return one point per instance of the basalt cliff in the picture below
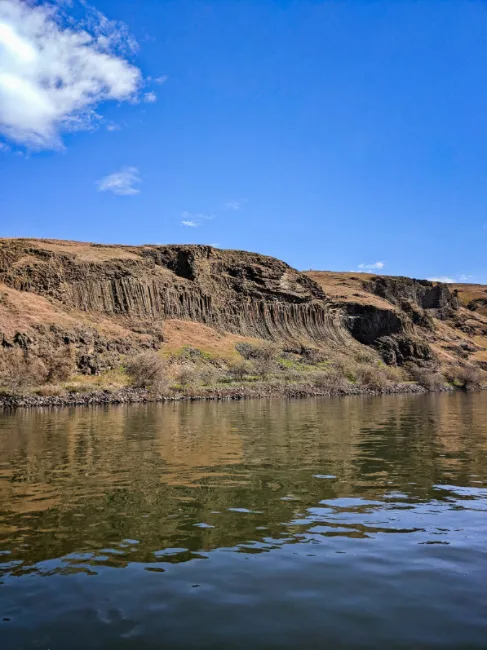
(110, 302)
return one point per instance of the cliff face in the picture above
(142, 287)
(111, 300)
(409, 320)
(397, 332)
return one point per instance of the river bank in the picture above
(260, 391)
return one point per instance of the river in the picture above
(357, 522)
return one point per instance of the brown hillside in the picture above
(109, 302)
(473, 297)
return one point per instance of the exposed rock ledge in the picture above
(261, 391)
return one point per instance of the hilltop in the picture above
(202, 307)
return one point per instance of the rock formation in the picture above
(108, 301)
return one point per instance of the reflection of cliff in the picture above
(91, 478)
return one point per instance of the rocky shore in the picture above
(136, 395)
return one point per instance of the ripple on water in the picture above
(315, 530)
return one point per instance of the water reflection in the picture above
(202, 476)
(149, 487)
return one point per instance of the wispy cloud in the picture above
(150, 98)
(56, 69)
(463, 277)
(4, 148)
(160, 80)
(194, 219)
(113, 126)
(234, 205)
(371, 267)
(442, 278)
(122, 182)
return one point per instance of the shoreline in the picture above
(138, 395)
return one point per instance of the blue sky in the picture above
(333, 135)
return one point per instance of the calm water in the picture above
(347, 523)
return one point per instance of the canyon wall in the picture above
(235, 291)
(110, 301)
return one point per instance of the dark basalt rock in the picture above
(424, 294)
(476, 304)
(367, 323)
(391, 332)
(398, 350)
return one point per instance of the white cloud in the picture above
(194, 219)
(160, 80)
(113, 126)
(4, 148)
(442, 278)
(197, 215)
(55, 70)
(122, 182)
(463, 277)
(375, 265)
(233, 205)
(150, 98)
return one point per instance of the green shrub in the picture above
(245, 349)
(312, 355)
(393, 373)
(238, 370)
(291, 374)
(366, 356)
(264, 367)
(346, 368)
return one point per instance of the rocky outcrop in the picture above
(478, 304)
(401, 349)
(390, 331)
(111, 301)
(408, 293)
(368, 323)
(239, 292)
(398, 333)
(409, 320)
